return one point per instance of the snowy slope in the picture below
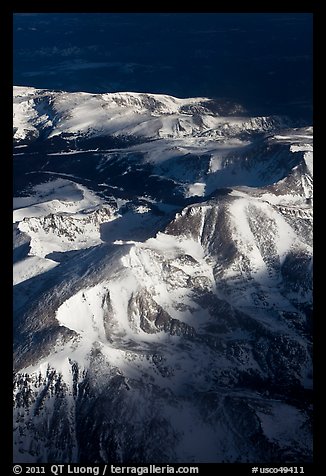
(170, 301)
(164, 317)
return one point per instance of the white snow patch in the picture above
(195, 189)
(301, 148)
(142, 209)
(308, 157)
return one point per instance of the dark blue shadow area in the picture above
(20, 252)
(262, 60)
(133, 226)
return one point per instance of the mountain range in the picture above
(162, 280)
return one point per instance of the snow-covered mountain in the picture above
(39, 111)
(163, 281)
